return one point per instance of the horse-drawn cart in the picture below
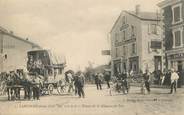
(50, 68)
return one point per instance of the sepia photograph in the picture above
(91, 57)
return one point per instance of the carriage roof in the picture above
(56, 61)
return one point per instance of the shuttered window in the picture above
(156, 44)
(177, 14)
(183, 36)
(177, 36)
(133, 48)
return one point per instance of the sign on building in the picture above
(106, 52)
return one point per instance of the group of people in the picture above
(76, 83)
(99, 78)
(172, 77)
(14, 81)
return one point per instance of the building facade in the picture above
(13, 51)
(173, 24)
(136, 42)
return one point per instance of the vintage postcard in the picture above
(91, 57)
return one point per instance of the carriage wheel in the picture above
(44, 91)
(60, 88)
(50, 89)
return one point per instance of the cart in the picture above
(50, 68)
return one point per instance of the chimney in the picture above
(11, 32)
(137, 9)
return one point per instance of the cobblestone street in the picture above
(98, 102)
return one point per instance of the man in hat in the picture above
(80, 84)
(36, 86)
(174, 79)
(146, 77)
(107, 78)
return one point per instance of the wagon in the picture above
(50, 68)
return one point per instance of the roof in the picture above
(144, 16)
(4, 31)
(165, 3)
(150, 16)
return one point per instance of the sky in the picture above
(77, 29)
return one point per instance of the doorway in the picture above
(180, 66)
(158, 63)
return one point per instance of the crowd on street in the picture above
(170, 78)
(12, 83)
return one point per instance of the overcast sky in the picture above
(77, 29)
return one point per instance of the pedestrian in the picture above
(18, 79)
(146, 77)
(36, 86)
(75, 83)
(80, 84)
(27, 86)
(14, 82)
(9, 84)
(174, 79)
(124, 82)
(98, 81)
(70, 82)
(107, 78)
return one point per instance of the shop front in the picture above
(117, 67)
(134, 64)
(176, 61)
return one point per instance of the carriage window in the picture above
(60, 71)
(50, 71)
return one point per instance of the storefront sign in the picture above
(106, 52)
(176, 56)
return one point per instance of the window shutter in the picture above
(157, 29)
(149, 28)
(125, 35)
(135, 30)
(149, 47)
(183, 36)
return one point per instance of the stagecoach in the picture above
(49, 67)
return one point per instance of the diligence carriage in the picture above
(50, 67)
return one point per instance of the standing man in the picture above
(36, 86)
(107, 78)
(70, 82)
(174, 79)
(9, 86)
(124, 82)
(80, 84)
(27, 86)
(98, 81)
(76, 83)
(146, 77)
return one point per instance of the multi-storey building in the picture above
(173, 26)
(13, 51)
(136, 42)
